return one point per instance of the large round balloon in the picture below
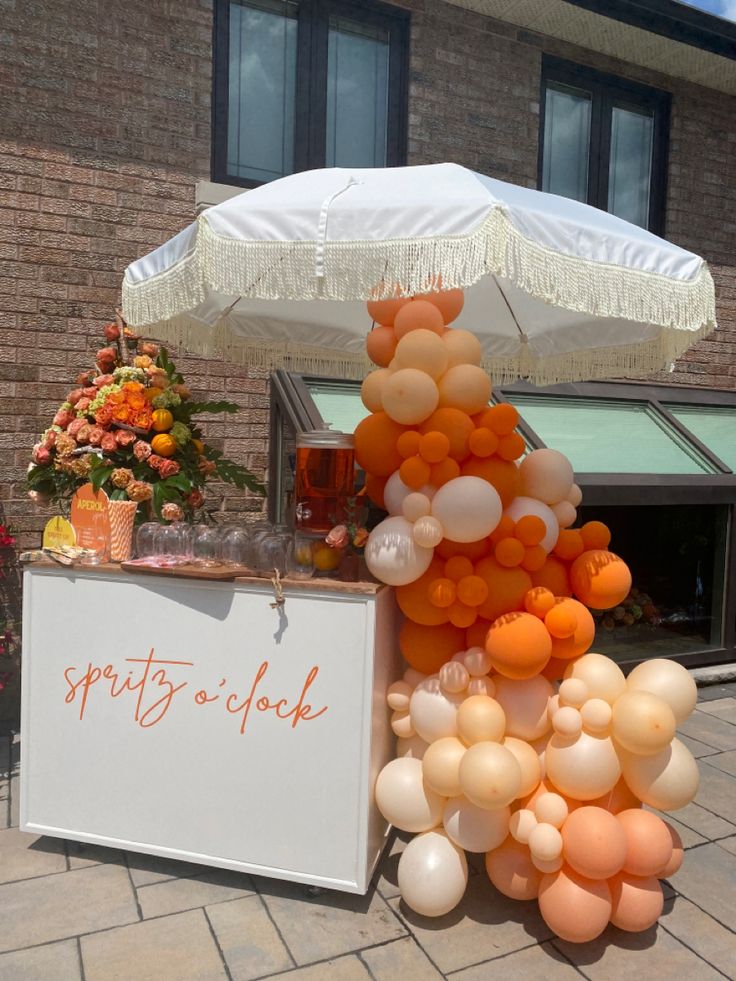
(643, 723)
(422, 349)
(468, 509)
(512, 872)
(432, 874)
(546, 475)
(433, 710)
(490, 776)
(600, 579)
(584, 767)
(667, 780)
(519, 645)
(404, 798)
(575, 908)
(594, 842)
(409, 396)
(604, 678)
(668, 680)
(525, 705)
(523, 506)
(393, 556)
(476, 829)
(441, 766)
(637, 901)
(649, 843)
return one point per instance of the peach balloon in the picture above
(678, 853)
(434, 711)
(490, 777)
(525, 704)
(474, 828)
(526, 757)
(575, 908)
(648, 842)
(567, 721)
(575, 496)
(468, 509)
(480, 719)
(409, 396)
(418, 315)
(398, 696)
(404, 799)
(667, 780)
(546, 475)
(401, 725)
(521, 824)
(393, 556)
(642, 722)
(512, 872)
(565, 513)
(396, 492)
(519, 645)
(466, 387)
(432, 874)
(414, 747)
(551, 809)
(416, 505)
(573, 692)
(636, 902)
(423, 350)
(582, 768)
(454, 677)
(371, 391)
(594, 842)
(596, 715)
(545, 842)
(604, 678)
(428, 532)
(441, 766)
(547, 865)
(619, 798)
(600, 579)
(380, 345)
(523, 506)
(668, 680)
(462, 347)
(384, 311)
(449, 302)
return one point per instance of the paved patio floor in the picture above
(72, 912)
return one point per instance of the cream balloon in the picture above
(582, 768)
(414, 747)
(434, 711)
(575, 496)
(565, 513)
(551, 809)
(525, 705)
(596, 715)
(567, 721)
(468, 508)
(490, 777)
(477, 661)
(522, 506)
(415, 506)
(667, 780)
(404, 799)
(462, 347)
(480, 719)
(401, 725)
(432, 874)
(454, 677)
(409, 396)
(521, 824)
(393, 556)
(531, 769)
(371, 391)
(546, 475)
(428, 532)
(441, 766)
(545, 842)
(547, 865)
(398, 696)
(642, 723)
(424, 350)
(668, 680)
(396, 492)
(573, 691)
(604, 678)
(474, 828)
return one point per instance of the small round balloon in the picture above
(404, 799)
(393, 556)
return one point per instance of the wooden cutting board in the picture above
(221, 573)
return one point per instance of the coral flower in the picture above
(124, 437)
(109, 443)
(142, 450)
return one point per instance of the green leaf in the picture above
(99, 475)
(233, 473)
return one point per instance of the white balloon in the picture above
(468, 508)
(520, 507)
(393, 556)
(396, 491)
(428, 531)
(474, 828)
(404, 799)
(432, 874)
(434, 711)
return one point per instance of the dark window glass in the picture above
(603, 140)
(301, 84)
(677, 559)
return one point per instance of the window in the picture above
(301, 84)
(603, 140)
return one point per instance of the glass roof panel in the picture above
(714, 426)
(338, 403)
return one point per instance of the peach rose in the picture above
(109, 443)
(123, 437)
(142, 450)
(168, 468)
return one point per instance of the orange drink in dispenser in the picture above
(325, 479)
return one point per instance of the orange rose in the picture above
(121, 413)
(115, 398)
(133, 386)
(142, 420)
(136, 402)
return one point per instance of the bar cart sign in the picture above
(192, 720)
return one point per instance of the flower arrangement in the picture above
(129, 427)
(348, 539)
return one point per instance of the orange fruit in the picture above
(164, 445)
(162, 420)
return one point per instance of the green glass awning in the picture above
(338, 403)
(609, 436)
(713, 426)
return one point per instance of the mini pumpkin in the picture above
(162, 420)
(164, 445)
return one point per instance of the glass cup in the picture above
(145, 539)
(272, 549)
(172, 544)
(236, 546)
(206, 546)
(299, 557)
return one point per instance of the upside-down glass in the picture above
(299, 557)
(235, 546)
(206, 546)
(145, 546)
(272, 550)
(171, 543)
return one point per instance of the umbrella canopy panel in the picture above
(555, 289)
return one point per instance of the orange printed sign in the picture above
(90, 518)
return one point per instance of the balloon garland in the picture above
(514, 740)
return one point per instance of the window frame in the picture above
(310, 109)
(608, 91)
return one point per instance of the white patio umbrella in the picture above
(555, 290)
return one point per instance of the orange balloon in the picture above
(600, 579)
(595, 535)
(518, 645)
(553, 575)
(539, 601)
(384, 311)
(443, 471)
(414, 601)
(648, 842)
(426, 649)
(408, 443)
(620, 798)
(511, 447)
(475, 636)
(575, 908)
(579, 641)
(555, 669)
(530, 530)
(434, 446)
(560, 622)
(483, 442)
(414, 472)
(636, 902)
(472, 590)
(375, 444)
(509, 552)
(448, 302)
(677, 854)
(506, 588)
(380, 345)
(594, 842)
(374, 489)
(418, 315)
(534, 558)
(456, 425)
(569, 544)
(442, 593)
(458, 566)
(506, 528)
(462, 615)
(472, 550)
(502, 418)
(512, 872)
(501, 474)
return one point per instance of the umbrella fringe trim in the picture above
(368, 269)
(627, 361)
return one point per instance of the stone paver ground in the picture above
(75, 912)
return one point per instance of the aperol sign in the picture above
(90, 518)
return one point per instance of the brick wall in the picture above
(105, 129)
